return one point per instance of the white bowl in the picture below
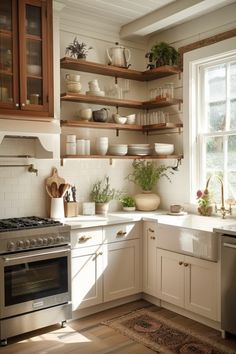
(164, 149)
(85, 113)
(131, 119)
(118, 149)
(95, 93)
(34, 69)
(74, 87)
(120, 120)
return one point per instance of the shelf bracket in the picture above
(110, 161)
(117, 132)
(62, 162)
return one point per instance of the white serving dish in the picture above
(131, 119)
(95, 93)
(34, 69)
(118, 149)
(163, 149)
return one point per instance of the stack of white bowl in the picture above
(102, 145)
(73, 83)
(139, 149)
(164, 149)
(118, 149)
(94, 89)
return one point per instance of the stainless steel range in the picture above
(35, 275)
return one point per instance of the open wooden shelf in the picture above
(107, 101)
(110, 70)
(131, 127)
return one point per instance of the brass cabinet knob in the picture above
(121, 233)
(180, 262)
(84, 238)
(186, 264)
(150, 230)
(152, 237)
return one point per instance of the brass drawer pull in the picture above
(186, 264)
(84, 238)
(150, 230)
(121, 233)
(153, 237)
(180, 263)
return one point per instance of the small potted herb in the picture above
(163, 54)
(128, 203)
(102, 193)
(77, 50)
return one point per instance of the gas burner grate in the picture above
(30, 222)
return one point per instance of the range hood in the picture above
(34, 139)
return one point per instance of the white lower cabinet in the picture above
(150, 258)
(122, 270)
(188, 282)
(87, 270)
(106, 264)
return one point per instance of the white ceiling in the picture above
(137, 18)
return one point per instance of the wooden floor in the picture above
(88, 336)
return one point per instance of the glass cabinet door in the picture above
(9, 96)
(33, 55)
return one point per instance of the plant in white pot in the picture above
(128, 203)
(146, 175)
(102, 193)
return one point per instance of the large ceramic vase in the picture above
(101, 208)
(147, 201)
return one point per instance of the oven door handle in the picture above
(32, 255)
(229, 245)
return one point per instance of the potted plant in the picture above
(128, 203)
(102, 194)
(146, 175)
(77, 50)
(163, 54)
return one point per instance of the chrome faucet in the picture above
(222, 209)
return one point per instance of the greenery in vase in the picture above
(146, 174)
(103, 193)
(77, 50)
(204, 202)
(127, 201)
(163, 54)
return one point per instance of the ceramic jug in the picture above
(118, 56)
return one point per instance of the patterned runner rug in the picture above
(163, 336)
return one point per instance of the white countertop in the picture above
(189, 221)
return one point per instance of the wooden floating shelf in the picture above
(107, 101)
(110, 70)
(133, 127)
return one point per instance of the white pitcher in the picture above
(118, 56)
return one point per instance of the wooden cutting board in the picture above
(54, 178)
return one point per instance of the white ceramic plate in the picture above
(178, 214)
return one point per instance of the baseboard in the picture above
(105, 306)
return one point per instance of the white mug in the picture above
(72, 77)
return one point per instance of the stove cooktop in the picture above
(31, 222)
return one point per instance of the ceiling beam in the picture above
(169, 16)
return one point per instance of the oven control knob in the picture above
(20, 244)
(27, 243)
(45, 241)
(40, 241)
(33, 242)
(50, 240)
(62, 239)
(10, 246)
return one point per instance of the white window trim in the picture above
(192, 60)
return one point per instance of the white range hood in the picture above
(34, 139)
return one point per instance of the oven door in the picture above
(34, 280)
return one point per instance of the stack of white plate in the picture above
(95, 93)
(139, 149)
(118, 149)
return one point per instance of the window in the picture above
(216, 125)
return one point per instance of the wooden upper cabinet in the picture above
(26, 67)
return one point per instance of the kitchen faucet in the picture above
(222, 209)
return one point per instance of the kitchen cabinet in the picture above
(150, 250)
(122, 273)
(105, 264)
(188, 282)
(26, 58)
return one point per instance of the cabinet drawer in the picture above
(86, 237)
(121, 232)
